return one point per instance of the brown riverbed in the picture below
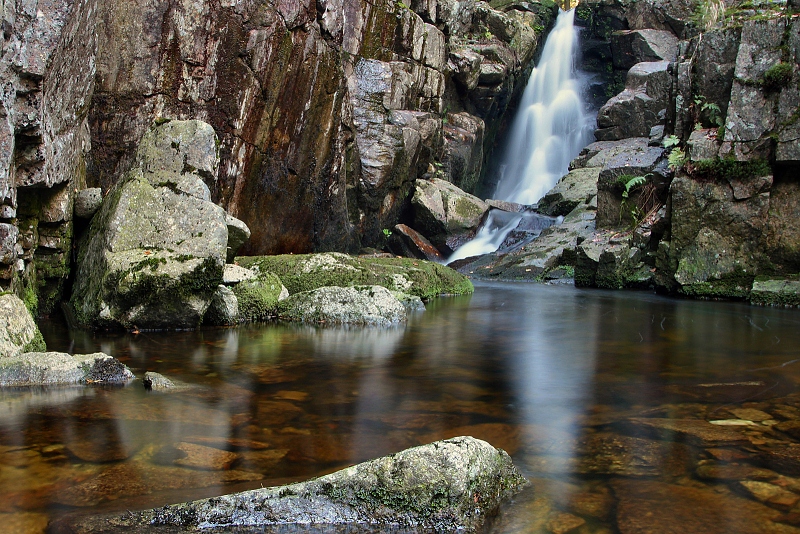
(629, 412)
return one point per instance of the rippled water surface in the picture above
(604, 400)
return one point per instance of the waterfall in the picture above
(551, 126)
(549, 130)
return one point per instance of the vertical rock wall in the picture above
(326, 111)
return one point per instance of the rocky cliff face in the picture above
(326, 111)
(697, 156)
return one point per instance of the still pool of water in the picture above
(604, 400)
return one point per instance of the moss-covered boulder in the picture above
(18, 331)
(155, 252)
(358, 305)
(258, 297)
(306, 272)
(775, 291)
(446, 486)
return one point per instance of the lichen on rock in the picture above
(155, 251)
(445, 486)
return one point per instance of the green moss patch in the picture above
(730, 169)
(258, 299)
(306, 272)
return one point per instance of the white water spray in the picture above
(549, 131)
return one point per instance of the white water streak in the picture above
(551, 126)
(550, 129)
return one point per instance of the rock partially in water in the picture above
(770, 291)
(444, 486)
(442, 210)
(258, 298)
(52, 368)
(305, 272)
(18, 331)
(156, 381)
(361, 305)
(155, 251)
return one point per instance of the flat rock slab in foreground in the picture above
(446, 485)
(56, 368)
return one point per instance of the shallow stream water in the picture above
(603, 399)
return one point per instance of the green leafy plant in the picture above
(386, 232)
(629, 183)
(671, 141)
(677, 159)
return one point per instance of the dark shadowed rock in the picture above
(635, 46)
(224, 308)
(238, 234)
(405, 241)
(87, 202)
(445, 486)
(635, 111)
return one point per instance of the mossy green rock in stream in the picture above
(443, 486)
(155, 251)
(18, 331)
(306, 272)
(258, 298)
(768, 291)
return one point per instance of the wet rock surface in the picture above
(56, 368)
(448, 485)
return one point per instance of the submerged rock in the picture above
(444, 486)
(305, 272)
(53, 368)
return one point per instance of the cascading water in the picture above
(550, 129)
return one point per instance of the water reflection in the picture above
(602, 398)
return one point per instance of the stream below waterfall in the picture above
(602, 398)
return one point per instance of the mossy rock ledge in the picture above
(443, 486)
(18, 331)
(307, 272)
